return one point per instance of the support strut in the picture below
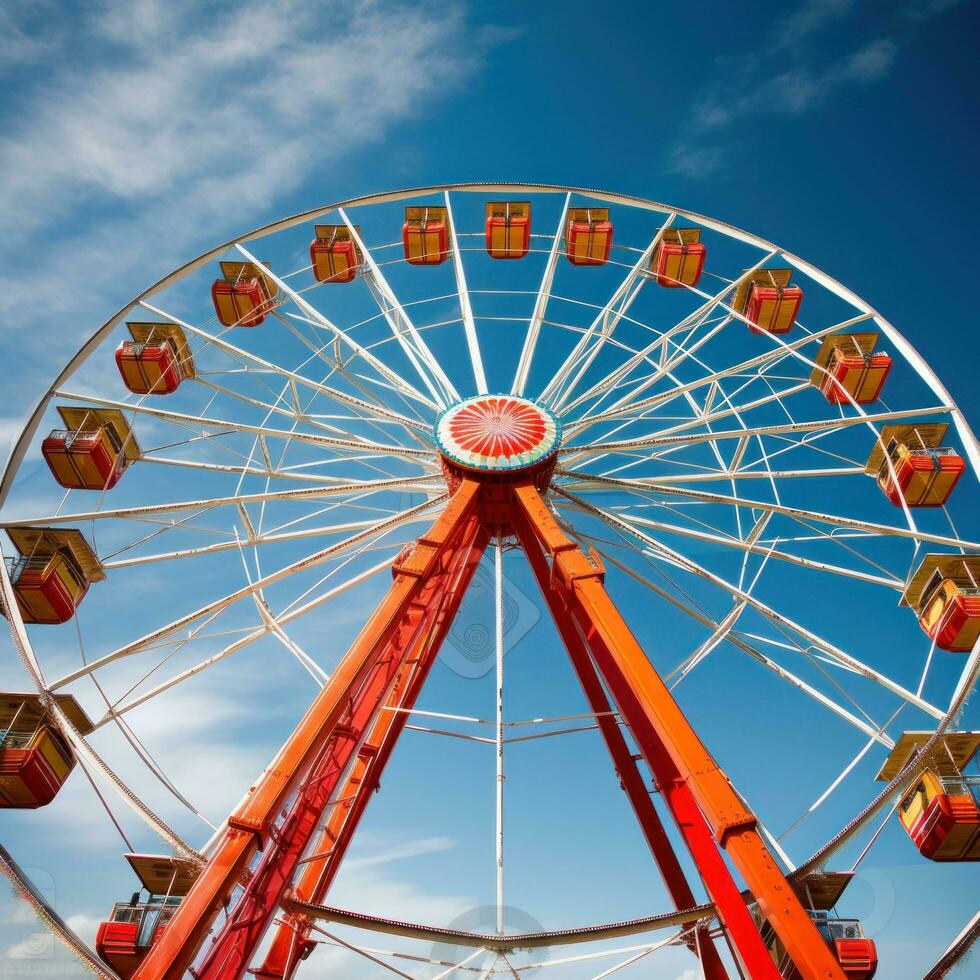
(254, 825)
(334, 760)
(693, 781)
(291, 942)
(622, 758)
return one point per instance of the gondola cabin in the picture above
(945, 594)
(588, 236)
(52, 572)
(855, 952)
(848, 369)
(678, 259)
(334, 254)
(134, 926)
(156, 360)
(244, 294)
(939, 810)
(35, 759)
(508, 229)
(425, 236)
(92, 450)
(767, 301)
(915, 466)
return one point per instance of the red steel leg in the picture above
(660, 729)
(254, 824)
(291, 943)
(622, 757)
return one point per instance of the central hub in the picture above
(498, 436)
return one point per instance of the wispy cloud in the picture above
(923, 9)
(142, 132)
(207, 108)
(788, 75)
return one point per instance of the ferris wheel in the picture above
(475, 426)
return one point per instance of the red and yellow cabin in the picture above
(334, 254)
(508, 229)
(678, 259)
(35, 759)
(848, 369)
(53, 572)
(819, 892)
(588, 236)
(768, 301)
(945, 594)
(156, 360)
(425, 236)
(244, 294)
(134, 926)
(924, 476)
(939, 810)
(93, 449)
(914, 466)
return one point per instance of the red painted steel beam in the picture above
(253, 825)
(232, 949)
(658, 724)
(622, 757)
(291, 943)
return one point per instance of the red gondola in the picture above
(35, 759)
(52, 574)
(93, 449)
(678, 259)
(588, 236)
(940, 810)
(334, 254)
(244, 295)
(425, 236)
(124, 940)
(156, 360)
(508, 229)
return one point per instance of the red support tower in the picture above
(498, 456)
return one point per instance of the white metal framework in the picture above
(721, 488)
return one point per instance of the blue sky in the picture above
(136, 135)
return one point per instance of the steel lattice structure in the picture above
(643, 437)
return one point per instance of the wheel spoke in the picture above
(219, 605)
(540, 306)
(847, 660)
(469, 325)
(605, 322)
(588, 482)
(402, 327)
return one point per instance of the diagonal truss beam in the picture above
(253, 826)
(338, 750)
(411, 649)
(620, 753)
(692, 781)
(291, 942)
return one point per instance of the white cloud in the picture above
(401, 852)
(807, 18)
(779, 78)
(157, 129)
(924, 9)
(208, 107)
(84, 926)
